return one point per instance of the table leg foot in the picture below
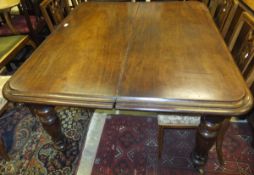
(205, 138)
(51, 124)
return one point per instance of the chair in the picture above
(9, 47)
(75, 3)
(32, 7)
(174, 121)
(54, 11)
(241, 45)
(113, 0)
(23, 23)
(185, 121)
(223, 12)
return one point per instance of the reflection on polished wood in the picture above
(54, 11)
(178, 61)
(158, 56)
(161, 57)
(79, 64)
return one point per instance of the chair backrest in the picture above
(111, 0)
(75, 3)
(223, 12)
(32, 7)
(54, 11)
(241, 45)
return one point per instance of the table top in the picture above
(143, 56)
(5, 4)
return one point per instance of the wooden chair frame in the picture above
(161, 133)
(245, 18)
(231, 6)
(46, 15)
(219, 140)
(75, 3)
(229, 19)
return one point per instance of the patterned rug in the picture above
(128, 146)
(31, 149)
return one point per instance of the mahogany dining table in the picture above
(165, 57)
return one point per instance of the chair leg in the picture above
(3, 152)
(31, 43)
(160, 141)
(220, 137)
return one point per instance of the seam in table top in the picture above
(123, 66)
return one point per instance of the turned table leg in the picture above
(50, 123)
(205, 138)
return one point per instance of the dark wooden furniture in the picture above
(223, 12)
(242, 6)
(32, 7)
(163, 57)
(239, 6)
(242, 48)
(54, 11)
(75, 3)
(174, 121)
(187, 121)
(22, 23)
(248, 6)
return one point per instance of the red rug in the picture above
(129, 146)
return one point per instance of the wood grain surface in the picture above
(143, 56)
